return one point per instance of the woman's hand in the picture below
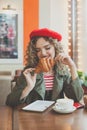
(30, 78)
(65, 59)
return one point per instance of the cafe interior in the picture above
(68, 17)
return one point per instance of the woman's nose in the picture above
(43, 52)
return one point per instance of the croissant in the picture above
(44, 65)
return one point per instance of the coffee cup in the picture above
(64, 104)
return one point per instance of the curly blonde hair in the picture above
(31, 54)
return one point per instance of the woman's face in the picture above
(44, 48)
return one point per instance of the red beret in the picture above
(46, 32)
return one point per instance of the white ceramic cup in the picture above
(64, 104)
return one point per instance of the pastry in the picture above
(44, 65)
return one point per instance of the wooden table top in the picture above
(17, 119)
(5, 118)
(50, 120)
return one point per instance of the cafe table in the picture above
(49, 120)
(5, 118)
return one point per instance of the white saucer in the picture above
(64, 111)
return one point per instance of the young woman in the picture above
(61, 79)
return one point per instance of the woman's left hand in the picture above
(65, 59)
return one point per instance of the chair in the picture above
(5, 83)
(13, 81)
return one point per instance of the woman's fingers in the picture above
(64, 58)
(28, 71)
(30, 78)
(61, 57)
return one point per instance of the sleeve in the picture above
(13, 99)
(73, 88)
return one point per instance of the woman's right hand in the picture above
(31, 79)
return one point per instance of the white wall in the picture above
(18, 5)
(53, 14)
(82, 42)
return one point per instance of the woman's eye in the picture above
(37, 50)
(47, 48)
